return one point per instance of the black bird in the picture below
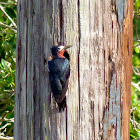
(59, 72)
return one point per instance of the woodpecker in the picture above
(59, 72)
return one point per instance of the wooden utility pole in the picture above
(99, 93)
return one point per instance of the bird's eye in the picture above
(59, 48)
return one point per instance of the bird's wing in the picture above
(64, 80)
(63, 95)
(56, 88)
(59, 74)
(65, 73)
(55, 83)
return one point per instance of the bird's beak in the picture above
(66, 47)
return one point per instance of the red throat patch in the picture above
(61, 54)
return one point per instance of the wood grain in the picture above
(99, 93)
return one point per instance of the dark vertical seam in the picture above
(79, 33)
(66, 124)
(26, 67)
(18, 80)
(31, 17)
(34, 78)
(40, 73)
(39, 100)
(53, 21)
(61, 19)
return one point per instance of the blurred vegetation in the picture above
(135, 106)
(8, 17)
(8, 31)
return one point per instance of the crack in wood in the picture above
(79, 31)
(61, 20)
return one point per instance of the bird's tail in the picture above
(62, 105)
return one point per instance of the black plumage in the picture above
(59, 72)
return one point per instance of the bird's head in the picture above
(60, 50)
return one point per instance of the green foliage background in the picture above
(8, 17)
(135, 107)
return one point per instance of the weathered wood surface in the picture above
(30, 73)
(99, 94)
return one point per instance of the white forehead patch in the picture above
(61, 47)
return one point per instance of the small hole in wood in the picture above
(67, 55)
